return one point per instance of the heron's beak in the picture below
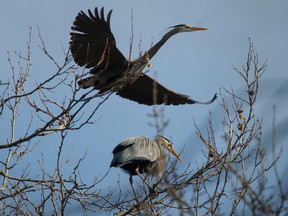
(173, 151)
(195, 28)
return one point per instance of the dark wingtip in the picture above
(212, 100)
(109, 16)
(102, 13)
(208, 102)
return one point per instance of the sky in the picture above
(196, 64)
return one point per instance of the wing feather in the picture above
(92, 42)
(146, 90)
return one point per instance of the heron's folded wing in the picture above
(146, 90)
(135, 149)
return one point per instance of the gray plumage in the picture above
(137, 155)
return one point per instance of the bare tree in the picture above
(231, 181)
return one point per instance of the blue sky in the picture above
(197, 64)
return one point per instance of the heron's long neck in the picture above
(154, 49)
(160, 167)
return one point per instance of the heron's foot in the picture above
(147, 58)
(153, 191)
(149, 64)
(141, 205)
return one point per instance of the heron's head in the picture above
(187, 28)
(167, 144)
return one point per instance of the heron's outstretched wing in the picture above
(92, 42)
(146, 90)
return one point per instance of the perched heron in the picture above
(94, 46)
(137, 155)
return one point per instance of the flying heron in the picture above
(93, 46)
(140, 154)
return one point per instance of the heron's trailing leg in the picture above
(84, 95)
